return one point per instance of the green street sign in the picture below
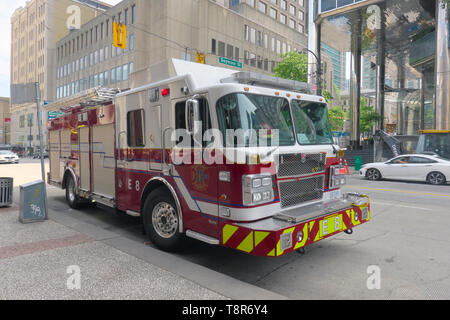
(52, 115)
(230, 62)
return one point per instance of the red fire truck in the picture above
(270, 189)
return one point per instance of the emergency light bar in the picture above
(251, 78)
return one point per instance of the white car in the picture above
(8, 157)
(412, 167)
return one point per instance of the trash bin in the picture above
(358, 163)
(6, 192)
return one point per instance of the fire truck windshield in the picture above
(311, 122)
(255, 120)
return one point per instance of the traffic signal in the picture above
(200, 58)
(120, 35)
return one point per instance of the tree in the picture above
(368, 117)
(337, 118)
(293, 67)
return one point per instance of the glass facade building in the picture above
(392, 55)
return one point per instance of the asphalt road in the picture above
(407, 241)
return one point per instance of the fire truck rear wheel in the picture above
(71, 194)
(161, 221)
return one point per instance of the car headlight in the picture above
(257, 189)
(338, 177)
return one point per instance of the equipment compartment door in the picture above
(103, 161)
(55, 155)
(85, 170)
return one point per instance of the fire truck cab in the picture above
(236, 159)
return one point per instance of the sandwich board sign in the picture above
(32, 202)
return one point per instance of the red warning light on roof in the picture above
(165, 92)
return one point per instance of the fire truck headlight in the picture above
(337, 177)
(257, 189)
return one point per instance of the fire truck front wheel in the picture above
(161, 221)
(71, 194)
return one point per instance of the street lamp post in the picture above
(319, 70)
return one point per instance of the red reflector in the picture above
(165, 92)
(342, 171)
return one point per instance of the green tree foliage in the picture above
(337, 118)
(294, 67)
(368, 117)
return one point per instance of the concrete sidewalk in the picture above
(37, 262)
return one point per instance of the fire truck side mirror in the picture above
(192, 116)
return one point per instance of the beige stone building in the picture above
(35, 29)
(5, 126)
(249, 37)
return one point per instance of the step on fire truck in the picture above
(117, 149)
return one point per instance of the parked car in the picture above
(37, 155)
(414, 167)
(8, 157)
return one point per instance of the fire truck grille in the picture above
(294, 165)
(296, 192)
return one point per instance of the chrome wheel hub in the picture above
(165, 220)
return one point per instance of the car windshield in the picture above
(311, 122)
(3, 152)
(255, 120)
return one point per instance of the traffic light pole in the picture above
(41, 151)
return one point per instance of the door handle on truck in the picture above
(166, 171)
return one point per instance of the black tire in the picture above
(72, 197)
(436, 178)
(373, 174)
(161, 221)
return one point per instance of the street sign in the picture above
(7, 120)
(52, 115)
(32, 202)
(230, 62)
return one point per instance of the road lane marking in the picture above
(400, 191)
(400, 205)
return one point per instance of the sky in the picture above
(5, 43)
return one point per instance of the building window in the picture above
(301, 28)
(126, 17)
(133, 14)
(105, 78)
(301, 15)
(131, 70)
(246, 55)
(252, 60)
(125, 72)
(246, 33)
(221, 49)
(131, 45)
(292, 23)
(292, 10)
(262, 7)
(273, 13)
(282, 18)
(119, 74)
(283, 4)
(230, 50)
(252, 35)
(213, 46)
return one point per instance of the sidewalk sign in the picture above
(32, 202)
